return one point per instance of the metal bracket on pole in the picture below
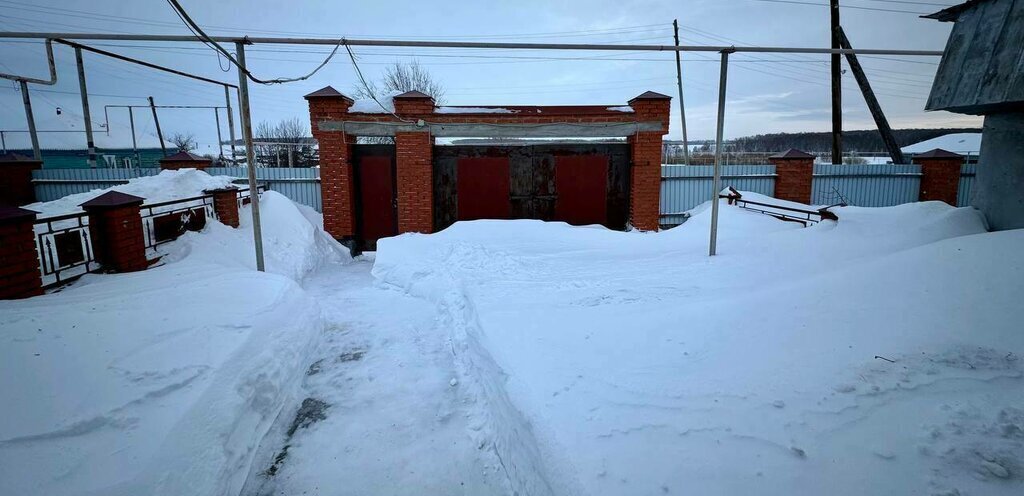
(243, 102)
(27, 100)
(716, 182)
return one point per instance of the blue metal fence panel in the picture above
(874, 185)
(963, 196)
(300, 184)
(686, 186)
(51, 184)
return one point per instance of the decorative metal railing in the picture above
(65, 250)
(166, 221)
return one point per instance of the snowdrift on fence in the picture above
(165, 186)
(161, 382)
(880, 354)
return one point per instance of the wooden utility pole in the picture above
(159, 134)
(837, 87)
(869, 97)
(682, 108)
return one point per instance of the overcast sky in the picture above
(767, 92)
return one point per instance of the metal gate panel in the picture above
(483, 188)
(376, 214)
(582, 185)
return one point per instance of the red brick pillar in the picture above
(225, 205)
(327, 107)
(794, 171)
(414, 161)
(19, 261)
(940, 175)
(16, 179)
(115, 226)
(645, 150)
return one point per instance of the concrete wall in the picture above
(999, 185)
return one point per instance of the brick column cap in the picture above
(938, 154)
(328, 92)
(649, 95)
(220, 190)
(186, 157)
(14, 215)
(112, 199)
(413, 95)
(792, 154)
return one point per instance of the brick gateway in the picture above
(374, 191)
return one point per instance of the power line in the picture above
(845, 6)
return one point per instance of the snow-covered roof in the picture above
(962, 143)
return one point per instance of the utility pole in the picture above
(36, 152)
(220, 142)
(231, 122)
(254, 194)
(869, 97)
(716, 182)
(135, 146)
(159, 134)
(679, 81)
(837, 87)
(85, 108)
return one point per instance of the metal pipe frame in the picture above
(716, 183)
(250, 154)
(247, 40)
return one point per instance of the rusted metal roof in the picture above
(327, 91)
(414, 94)
(792, 153)
(938, 153)
(185, 157)
(650, 95)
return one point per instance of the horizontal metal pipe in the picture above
(466, 44)
(139, 62)
(49, 62)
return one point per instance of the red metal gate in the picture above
(482, 184)
(582, 184)
(376, 215)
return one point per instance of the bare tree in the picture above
(283, 142)
(185, 142)
(401, 77)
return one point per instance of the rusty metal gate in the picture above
(376, 212)
(576, 183)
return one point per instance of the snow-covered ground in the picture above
(875, 355)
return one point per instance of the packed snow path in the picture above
(378, 411)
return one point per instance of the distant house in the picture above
(105, 158)
(967, 144)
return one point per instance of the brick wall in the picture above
(794, 172)
(19, 262)
(414, 163)
(225, 205)
(115, 227)
(184, 164)
(645, 180)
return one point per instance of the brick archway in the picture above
(417, 121)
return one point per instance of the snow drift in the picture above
(874, 355)
(164, 381)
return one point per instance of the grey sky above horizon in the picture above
(767, 92)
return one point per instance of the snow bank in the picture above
(628, 363)
(371, 106)
(473, 110)
(165, 186)
(163, 381)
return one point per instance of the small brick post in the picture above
(645, 150)
(225, 205)
(336, 175)
(16, 179)
(794, 172)
(115, 227)
(19, 261)
(184, 160)
(414, 163)
(940, 175)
